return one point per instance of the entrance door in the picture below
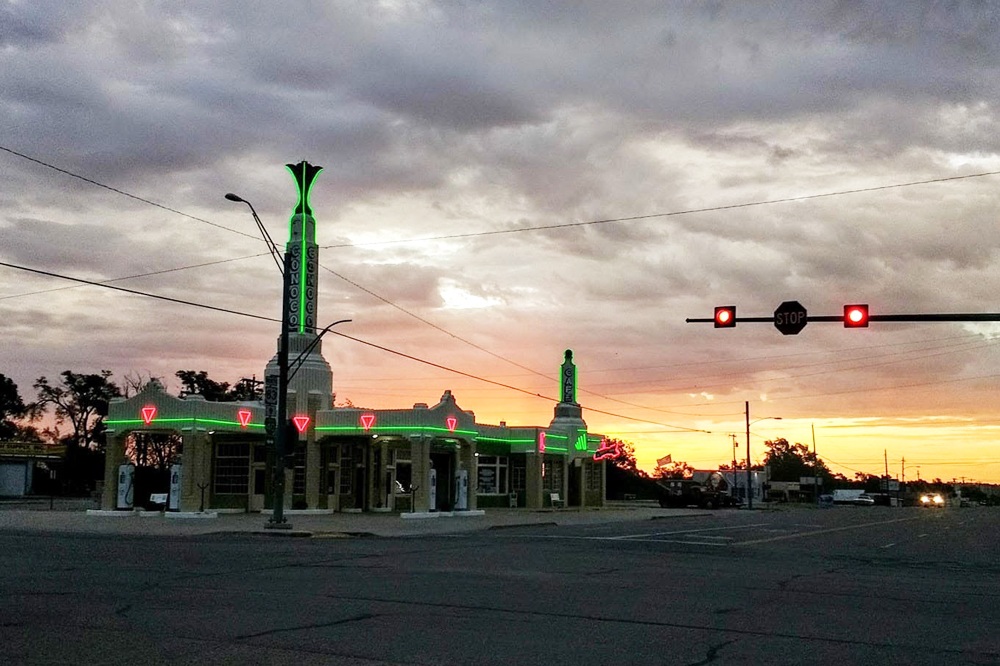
(575, 483)
(258, 486)
(444, 487)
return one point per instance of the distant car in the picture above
(932, 499)
(826, 500)
(864, 500)
(964, 502)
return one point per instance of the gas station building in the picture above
(426, 458)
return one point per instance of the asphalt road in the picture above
(850, 585)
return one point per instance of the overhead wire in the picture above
(138, 275)
(335, 273)
(689, 211)
(496, 232)
(137, 292)
(124, 193)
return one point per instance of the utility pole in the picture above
(749, 493)
(815, 464)
(733, 435)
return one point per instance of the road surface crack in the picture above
(712, 654)
(317, 625)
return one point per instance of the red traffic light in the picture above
(856, 316)
(725, 316)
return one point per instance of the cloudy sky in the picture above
(439, 124)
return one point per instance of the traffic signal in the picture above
(856, 316)
(725, 316)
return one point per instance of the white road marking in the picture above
(888, 545)
(921, 535)
(705, 529)
(827, 531)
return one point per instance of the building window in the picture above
(346, 471)
(552, 474)
(517, 475)
(492, 475)
(299, 478)
(232, 469)
(593, 472)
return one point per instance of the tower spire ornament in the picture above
(567, 376)
(303, 253)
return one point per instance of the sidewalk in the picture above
(326, 525)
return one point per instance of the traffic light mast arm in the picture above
(980, 316)
(738, 320)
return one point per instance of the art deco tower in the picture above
(312, 384)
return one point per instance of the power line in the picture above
(861, 390)
(486, 233)
(508, 386)
(358, 340)
(966, 346)
(139, 275)
(675, 213)
(123, 193)
(137, 292)
(342, 277)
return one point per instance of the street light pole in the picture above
(277, 520)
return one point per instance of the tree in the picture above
(199, 383)
(624, 476)
(677, 469)
(11, 407)
(625, 460)
(790, 462)
(153, 449)
(80, 399)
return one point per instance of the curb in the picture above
(507, 527)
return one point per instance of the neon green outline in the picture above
(394, 429)
(181, 420)
(302, 255)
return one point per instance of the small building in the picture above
(28, 467)
(347, 459)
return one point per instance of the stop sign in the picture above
(790, 318)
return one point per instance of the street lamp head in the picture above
(233, 197)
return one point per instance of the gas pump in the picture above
(433, 490)
(174, 502)
(126, 493)
(462, 490)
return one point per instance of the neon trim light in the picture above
(367, 421)
(541, 442)
(304, 182)
(607, 451)
(581, 442)
(452, 423)
(148, 413)
(300, 422)
(186, 419)
(244, 416)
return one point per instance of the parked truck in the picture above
(711, 493)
